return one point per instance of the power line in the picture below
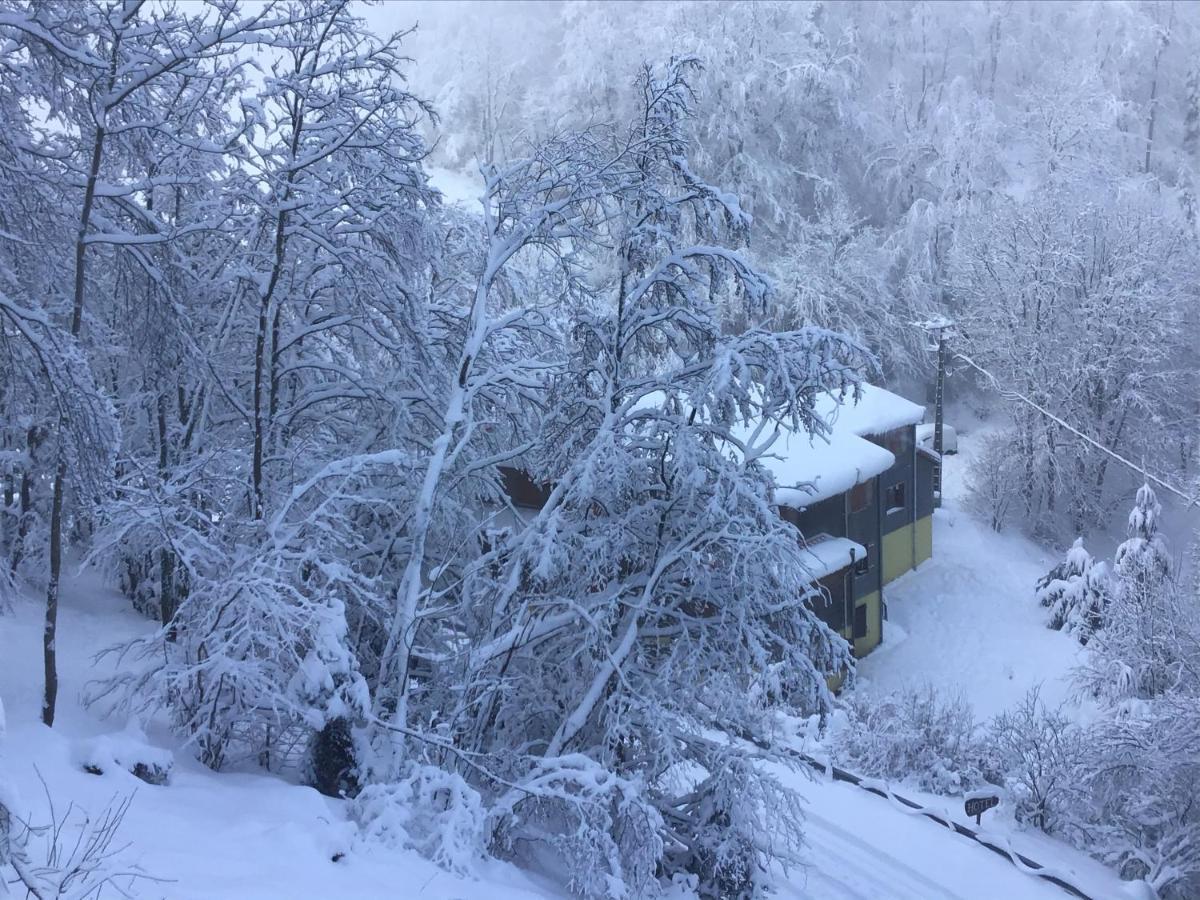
(1011, 394)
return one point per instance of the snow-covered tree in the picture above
(917, 735)
(113, 86)
(656, 595)
(1143, 650)
(1139, 771)
(1076, 592)
(274, 452)
(1137, 791)
(1038, 753)
(1076, 301)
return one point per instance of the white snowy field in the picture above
(970, 624)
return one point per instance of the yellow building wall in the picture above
(924, 529)
(897, 553)
(871, 639)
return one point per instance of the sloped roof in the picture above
(876, 411)
(810, 468)
(823, 555)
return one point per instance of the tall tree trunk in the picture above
(33, 441)
(167, 600)
(50, 630)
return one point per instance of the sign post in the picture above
(977, 806)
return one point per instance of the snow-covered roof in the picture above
(823, 555)
(875, 412)
(809, 468)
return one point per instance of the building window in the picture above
(860, 621)
(895, 498)
(828, 601)
(861, 496)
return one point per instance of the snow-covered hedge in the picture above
(430, 810)
(917, 736)
(1037, 752)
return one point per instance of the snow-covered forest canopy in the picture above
(908, 160)
(284, 395)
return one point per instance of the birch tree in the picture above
(657, 593)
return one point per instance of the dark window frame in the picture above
(889, 495)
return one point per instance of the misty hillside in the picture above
(666, 449)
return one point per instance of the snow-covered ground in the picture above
(232, 836)
(966, 621)
(969, 624)
(862, 846)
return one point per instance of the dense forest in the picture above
(909, 161)
(259, 373)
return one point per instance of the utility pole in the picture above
(941, 327)
(939, 403)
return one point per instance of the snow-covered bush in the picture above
(1076, 591)
(1037, 753)
(429, 810)
(605, 827)
(732, 812)
(1139, 782)
(916, 735)
(1141, 770)
(251, 662)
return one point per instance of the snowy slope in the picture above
(861, 845)
(970, 622)
(248, 835)
(231, 835)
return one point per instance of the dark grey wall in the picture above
(902, 442)
(863, 527)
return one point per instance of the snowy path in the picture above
(860, 846)
(861, 871)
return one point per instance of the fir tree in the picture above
(1076, 591)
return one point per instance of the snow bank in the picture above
(126, 751)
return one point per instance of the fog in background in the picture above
(884, 149)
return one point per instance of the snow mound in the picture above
(431, 811)
(126, 751)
